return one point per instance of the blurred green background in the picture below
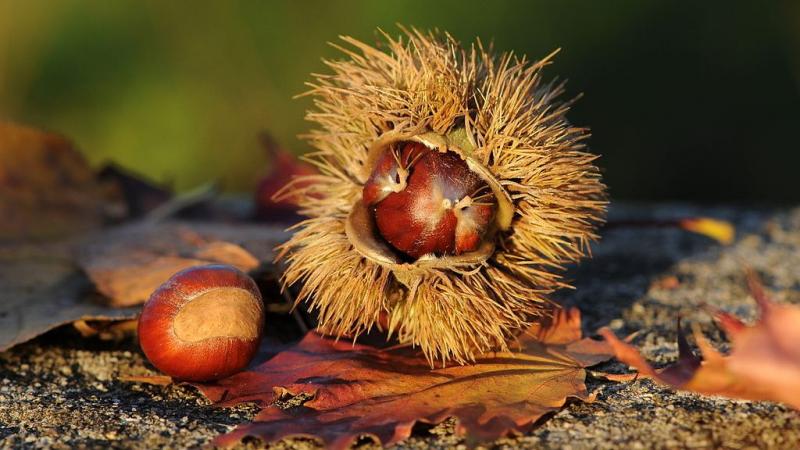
(695, 101)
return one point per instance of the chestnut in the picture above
(202, 324)
(428, 202)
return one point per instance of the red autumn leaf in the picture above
(763, 365)
(362, 390)
(284, 168)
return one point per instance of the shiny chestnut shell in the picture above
(202, 324)
(428, 202)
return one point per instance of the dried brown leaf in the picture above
(106, 330)
(128, 263)
(140, 195)
(158, 380)
(40, 289)
(46, 187)
(362, 390)
(763, 365)
(47, 191)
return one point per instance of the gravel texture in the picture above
(63, 391)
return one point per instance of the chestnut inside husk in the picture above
(426, 203)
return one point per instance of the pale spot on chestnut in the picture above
(203, 324)
(218, 313)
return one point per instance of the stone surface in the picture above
(62, 391)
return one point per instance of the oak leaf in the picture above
(360, 390)
(764, 363)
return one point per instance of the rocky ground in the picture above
(63, 391)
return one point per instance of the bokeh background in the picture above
(694, 101)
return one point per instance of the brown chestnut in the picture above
(428, 202)
(203, 324)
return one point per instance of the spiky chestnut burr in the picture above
(202, 324)
(452, 193)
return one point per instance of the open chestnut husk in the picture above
(452, 193)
